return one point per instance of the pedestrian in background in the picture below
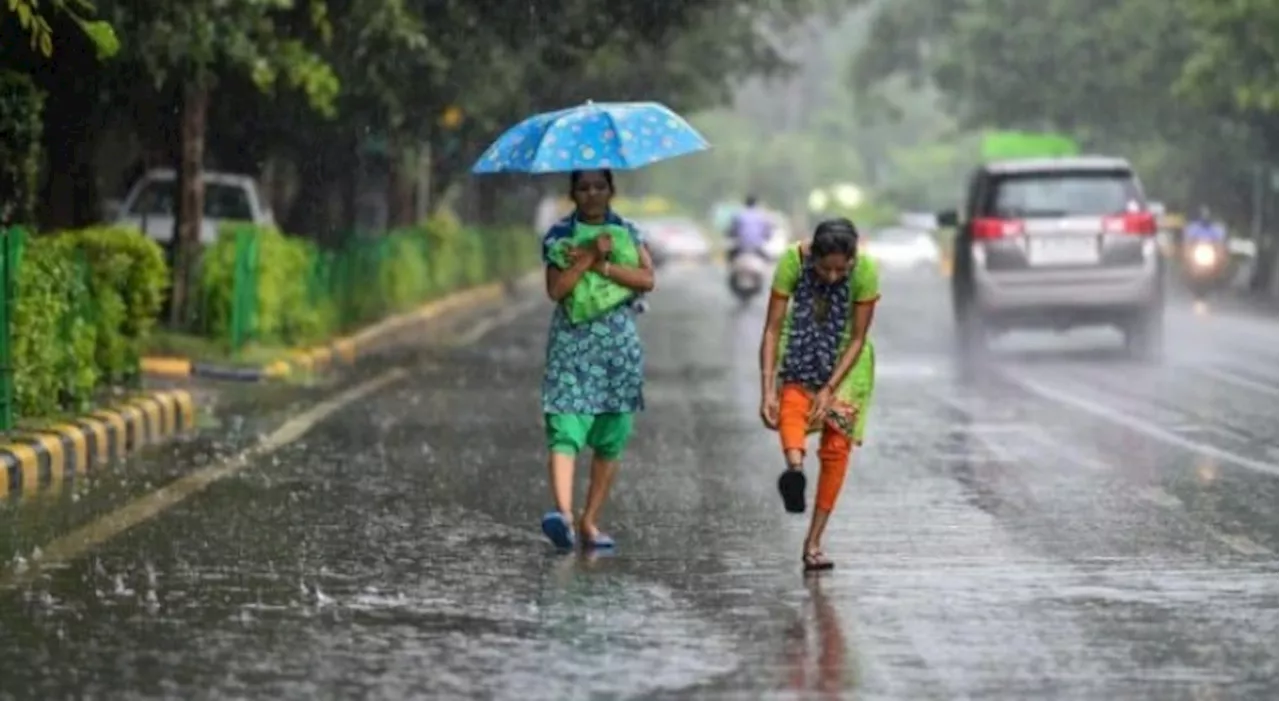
(818, 366)
(594, 380)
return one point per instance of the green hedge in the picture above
(297, 293)
(86, 302)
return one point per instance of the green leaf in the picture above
(104, 38)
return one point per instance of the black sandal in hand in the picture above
(791, 484)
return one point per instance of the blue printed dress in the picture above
(596, 367)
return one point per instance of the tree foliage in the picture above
(194, 40)
(788, 135)
(36, 24)
(1186, 89)
(328, 94)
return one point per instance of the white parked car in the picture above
(674, 238)
(901, 249)
(152, 205)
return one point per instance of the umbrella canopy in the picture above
(614, 135)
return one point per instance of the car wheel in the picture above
(971, 333)
(1144, 335)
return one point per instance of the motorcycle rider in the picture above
(1204, 228)
(1204, 256)
(750, 229)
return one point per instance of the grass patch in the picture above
(103, 398)
(205, 350)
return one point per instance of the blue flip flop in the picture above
(600, 541)
(556, 527)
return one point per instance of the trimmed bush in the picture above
(283, 310)
(128, 279)
(52, 345)
(86, 302)
(301, 295)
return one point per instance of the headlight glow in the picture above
(1204, 256)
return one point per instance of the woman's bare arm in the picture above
(769, 344)
(560, 282)
(863, 313)
(638, 278)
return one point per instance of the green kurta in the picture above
(856, 390)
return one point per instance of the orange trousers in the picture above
(833, 450)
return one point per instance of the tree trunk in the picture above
(400, 184)
(486, 201)
(422, 192)
(186, 235)
(70, 193)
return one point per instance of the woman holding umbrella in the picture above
(594, 376)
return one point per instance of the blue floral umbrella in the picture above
(614, 135)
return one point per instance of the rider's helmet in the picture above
(751, 200)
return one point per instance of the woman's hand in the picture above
(560, 282)
(821, 405)
(585, 255)
(603, 246)
(769, 410)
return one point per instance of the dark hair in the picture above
(835, 236)
(576, 175)
(751, 200)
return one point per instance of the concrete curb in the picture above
(343, 350)
(42, 459)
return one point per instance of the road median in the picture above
(43, 458)
(342, 351)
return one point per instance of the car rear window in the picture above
(1063, 194)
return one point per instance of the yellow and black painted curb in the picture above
(41, 459)
(340, 351)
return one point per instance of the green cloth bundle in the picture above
(596, 294)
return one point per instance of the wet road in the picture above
(1063, 524)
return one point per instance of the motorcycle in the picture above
(748, 273)
(1204, 266)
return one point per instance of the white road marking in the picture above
(1239, 543)
(148, 506)
(1160, 497)
(1139, 426)
(489, 323)
(1238, 381)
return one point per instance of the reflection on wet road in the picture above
(1059, 523)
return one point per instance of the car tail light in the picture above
(1136, 223)
(988, 229)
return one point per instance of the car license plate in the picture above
(1063, 251)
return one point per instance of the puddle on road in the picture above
(392, 609)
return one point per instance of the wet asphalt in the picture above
(1059, 523)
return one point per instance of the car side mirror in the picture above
(948, 219)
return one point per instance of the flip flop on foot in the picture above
(791, 486)
(816, 561)
(558, 530)
(599, 541)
